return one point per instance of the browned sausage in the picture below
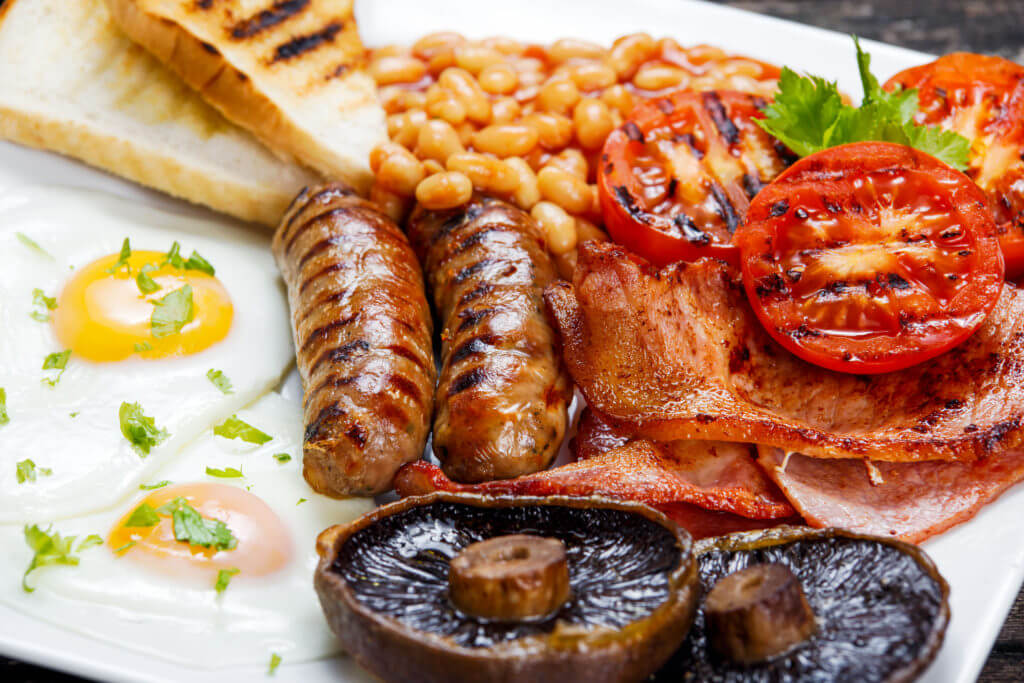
(500, 405)
(362, 338)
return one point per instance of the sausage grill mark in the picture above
(323, 272)
(467, 380)
(473, 346)
(329, 214)
(321, 332)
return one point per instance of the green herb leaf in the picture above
(233, 428)
(126, 546)
(57, 360)
(122, 259)
(144, 346)
(146, 284)
(43, 303)
(808, 115)
(227, 473)
(143, 516)
(50, 549)
(26, 470)
(140, 429)
(220, 380)
(172, 312)
(33, 245)
(192, 528)
(301, 501)
(174, 257)
(282, 457)
(90, 541)
(197, 262)
(275, 661)
(4, 417)
(150, 487)
(224, 578)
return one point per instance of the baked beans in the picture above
(526, 122)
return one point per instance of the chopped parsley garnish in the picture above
(172, 312)
(50, 548)
(197, 262)
(146, 284)
(4, 417)
(809, 115)
(122, 258)
(174, 257)
(140, 429)
(226, 473)
(126, 546)
(57, 360)
(275, 661)
(33, 245)
(142, 517)
(73, 414)
(301, 501)
(220, 380)
(224, 578)
(282, 457)
(43, 304)
(158, 485)
(26, 470)
(194, 529)
(144, 346)
(233, 428)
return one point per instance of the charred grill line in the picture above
(467, 380)
(302, 44)
(324, 330)
(725, 208)
(472, 346)
(336, 212)
(276, 14)
(726, 128)
(325, 271)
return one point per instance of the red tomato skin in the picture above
(822, 171)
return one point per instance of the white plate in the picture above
(983, 560)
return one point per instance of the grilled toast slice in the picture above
(286, 70)
(71, 82)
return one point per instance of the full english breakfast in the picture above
(669, 355)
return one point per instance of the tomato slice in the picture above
(981, 98)
(870, 257)
(676, 179)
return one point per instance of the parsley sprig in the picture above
(50, 548)
(809, 115)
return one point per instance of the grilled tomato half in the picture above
(676, 179)
(982, 99)
(870, 257)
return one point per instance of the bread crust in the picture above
(236, 95)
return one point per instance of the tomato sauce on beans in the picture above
(526, 122)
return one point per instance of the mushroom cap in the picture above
(383, 585)
(880, 604)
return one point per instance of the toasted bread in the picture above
(71, 82)
(286, 70)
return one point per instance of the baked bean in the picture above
(587, 231)
(506, 46)
(396, 207)
(554, 130)
(444, 190)
(629, 52)
(566, 264)
(487, 173)
(464, 86)
(566, 189)
(388, 70)
(441, 61)
(658, 77)
(591, 76)
(506, 139)
(443, 104)
(593, 122)
(558, 95)
(405, 128)
(395, 99)
(505, 110)
(526, 193)
(498, 79)
(437, 140)
(570, 160)
(466, 131)
(400, 173)
(564, 49)
(434, 43)
(474, 58)
(618, 97)
(559, 227)
(432, 166)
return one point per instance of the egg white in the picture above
(183, 619)
(73, 428)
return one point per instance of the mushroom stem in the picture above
(510, 578)
(757, 613)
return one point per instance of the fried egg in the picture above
(143, 589)
(124, 333)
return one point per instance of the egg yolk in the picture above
(104, 316)
(263, 543)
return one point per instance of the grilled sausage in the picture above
(500, 405)
(363, 338)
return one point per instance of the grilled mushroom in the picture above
(452, 587)
(875, 610)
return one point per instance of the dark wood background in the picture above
(936, 26)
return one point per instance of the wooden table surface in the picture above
(936, 26)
